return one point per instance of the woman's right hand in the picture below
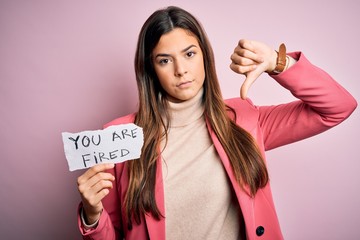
(93, 186)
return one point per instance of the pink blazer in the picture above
(323, 104)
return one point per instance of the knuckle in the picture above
(242, 42)
(98, 177)
(234, 67)
(80, 180)
(81, 189)
(242, 52)
(104, 192)
(96, 168)
(91, 171)
(243, 61)
(240, 69)
(104, 184)
(102, 175)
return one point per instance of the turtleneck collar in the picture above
(186, 112)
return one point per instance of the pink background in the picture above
(68, 66)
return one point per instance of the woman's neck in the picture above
(186, 112)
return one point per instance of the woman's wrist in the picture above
(282, 62)
(88, 220)
(290, 61)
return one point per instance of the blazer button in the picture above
(260, 230)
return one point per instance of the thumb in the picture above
(250, 79)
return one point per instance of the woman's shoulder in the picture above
(121, 120)
(246, 113)
(239, 104)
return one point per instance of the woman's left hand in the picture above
(252, 58)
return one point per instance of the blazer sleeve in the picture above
(322, 104)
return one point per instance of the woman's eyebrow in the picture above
(186, 49)
(168, 55)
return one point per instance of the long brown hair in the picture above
(246, 160)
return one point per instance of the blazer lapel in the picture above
(245, 200)
(156, 229)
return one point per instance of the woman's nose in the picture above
(180, 68)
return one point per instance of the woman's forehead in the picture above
(176, 40)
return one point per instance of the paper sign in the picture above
(114, 144)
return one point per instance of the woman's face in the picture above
(179, 65)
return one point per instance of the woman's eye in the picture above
(190, 54)
(164, 61)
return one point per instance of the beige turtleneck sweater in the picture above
(199, 202)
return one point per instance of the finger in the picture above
(250, 79)
(245, 53)
(244, 89)
(242, 69)
(102, 184)
(248, 49)
(93, 171)
(247, 44)
(95, 199)
(237, 59)
(96, 189)
(95, 180)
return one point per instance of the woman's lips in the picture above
(184, 84)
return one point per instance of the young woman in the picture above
(202, 173)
